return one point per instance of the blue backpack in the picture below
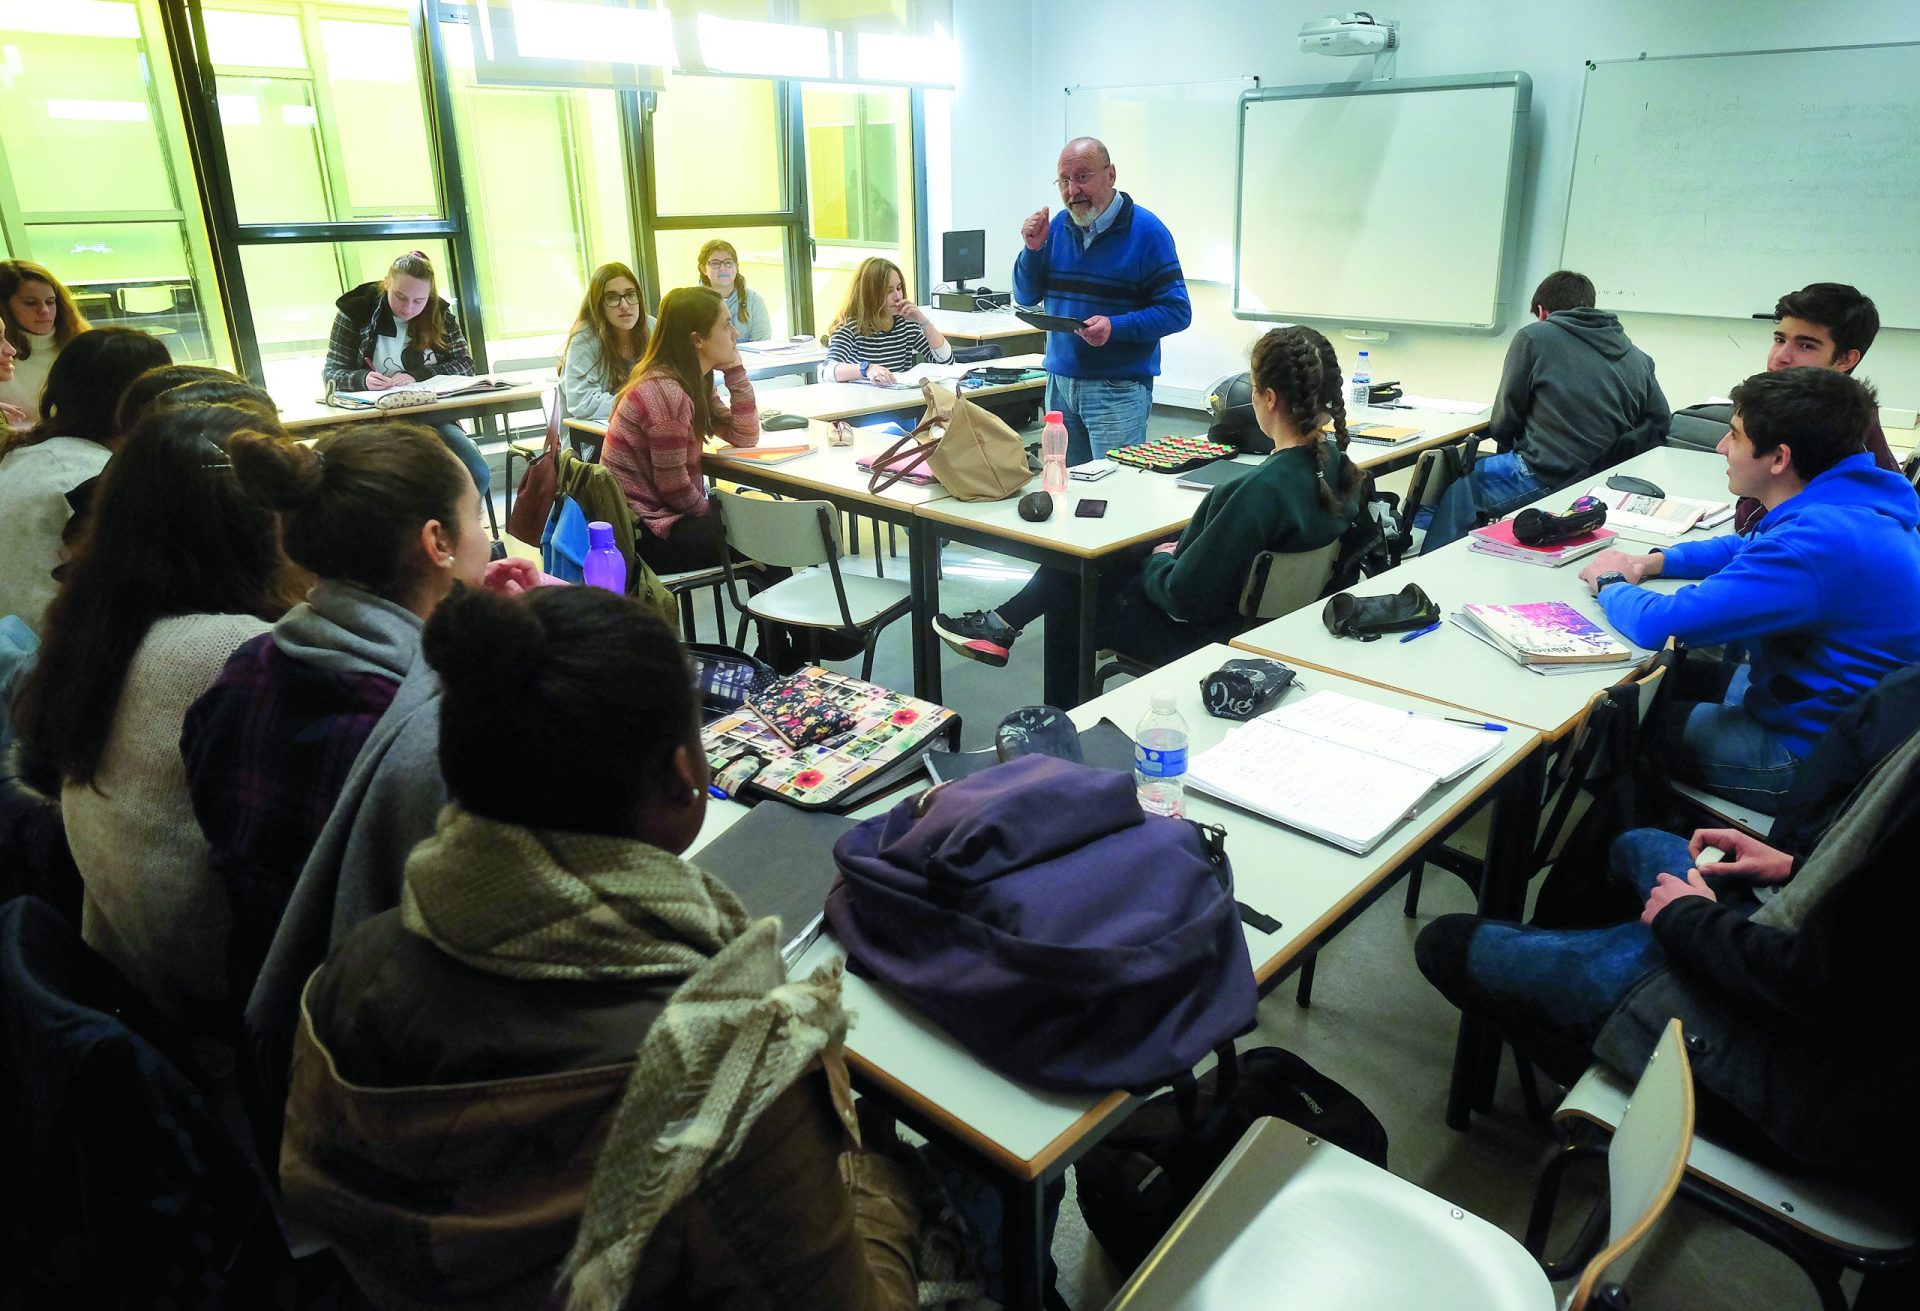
(563, 546)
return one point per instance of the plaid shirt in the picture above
(267, 750)
(362, 319)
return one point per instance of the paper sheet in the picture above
(1443, 405)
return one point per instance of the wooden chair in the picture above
(805, 535)
(1278, 583)
(1822, 1226)
(1289, 1220)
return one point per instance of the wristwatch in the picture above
(863, 367)
(1606, 580)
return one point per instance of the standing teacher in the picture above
(1112, 265)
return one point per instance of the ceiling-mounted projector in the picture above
(1347, 34)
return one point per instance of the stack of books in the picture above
(1545, 636)
(1498, 539)
(1660, 516)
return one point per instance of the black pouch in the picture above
(1241, 689)
(726, 677)
(1370, 617)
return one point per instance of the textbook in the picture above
(1209, 476)
(1543, 633)
(779, 861)
(1385, 433)
(1660, 516)
(1335, 767)
(760, 454)
(1498, 539)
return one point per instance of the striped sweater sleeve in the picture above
(665, 420)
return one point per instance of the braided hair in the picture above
(1298, 365)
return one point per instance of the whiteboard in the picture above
(1712, 184)
(1380, 202)
(1172, 145)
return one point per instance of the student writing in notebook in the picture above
(1187, 592)
(607, 339)
(879, 332)
(399, 330)
(1826, 594)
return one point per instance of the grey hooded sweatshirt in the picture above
(1573, 386)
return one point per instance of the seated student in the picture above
(396, 331)
(12, 417)
(1826, 595)
(559, 993)
(1572, 391)
(69, 445)
(1784, 1003)
(1186, 594)
(661, 417)
(719, 268)
(879, 332)
(178, 569)
(388, 522)
(41, 319)
(604, 343)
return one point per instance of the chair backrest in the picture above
(1278, 584)
(1699, 427)
(146, 299)
(785, 534)
(1433, 472)
(1644, 1162)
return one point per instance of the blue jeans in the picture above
(1102, 414)
(468, 452)
(1725, 750)
(1550, 991)
(1497, 485)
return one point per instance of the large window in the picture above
(95, 181)
(859, 186)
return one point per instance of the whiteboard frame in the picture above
(1249, 81)
(1592, 66)
(1522, 87)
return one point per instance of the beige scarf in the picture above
(541, 904)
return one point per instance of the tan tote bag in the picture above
(972, 451)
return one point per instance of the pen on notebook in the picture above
(1421, 632)
(1390, 405)
(1482, 724)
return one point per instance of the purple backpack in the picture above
(1062, 935)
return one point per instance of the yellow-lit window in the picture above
(716, 144)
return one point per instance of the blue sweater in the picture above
(1827, 592)
(1130, 273)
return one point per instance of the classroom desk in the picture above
(1025, 1138)
(528, 392)
(980, 327)
(1437, 428)
(771, 359)
(850, 400)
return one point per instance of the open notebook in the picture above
(1346, 771)
(443, 386)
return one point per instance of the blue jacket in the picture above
(1826, 591)
(1131, 274)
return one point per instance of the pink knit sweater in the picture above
(654, 451)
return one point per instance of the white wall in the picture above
(1007, 117)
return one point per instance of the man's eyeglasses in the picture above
(721, 265)
(1079, 179)
(615, 299)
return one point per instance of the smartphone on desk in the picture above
(1089, 509)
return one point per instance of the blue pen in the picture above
(716, 793)
(1481, 724)
(1421, 632)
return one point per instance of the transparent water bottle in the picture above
(603, 565)
(1362, 386)
(1053, 454)
(1160, 759)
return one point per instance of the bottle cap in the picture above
(599, 534)
(1164, 702)
(1054, 416)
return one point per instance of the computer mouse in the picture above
(1036, 506)
(783, 422)
(1626, 482)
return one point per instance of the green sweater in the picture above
(1275, 508)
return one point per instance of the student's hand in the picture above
(1034, 230)
(1667, 889)
(512, 576)
(1744, 855)
(1166, 548)
(14, 416)
(908, 309)
(880, 373)
(1634, 568)
(403, 379)
(1097, 330)
(378, 382)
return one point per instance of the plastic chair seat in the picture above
(809, 600)
(1755, 823)
(1290, 1220)
(1844, 1217)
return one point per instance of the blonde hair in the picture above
(721, 246)
(866, 305)
(426, 330)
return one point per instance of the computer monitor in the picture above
(963, 255)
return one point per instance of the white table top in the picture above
(830, 471)
(842, 400)
(1453, 666)
(529, 389)
(769, 359)
(1304, 883)
(1436, 429)
(1141, 506)
(978, 325)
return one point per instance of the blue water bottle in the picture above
(604, 566)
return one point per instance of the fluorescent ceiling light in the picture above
(98, 111)
(918, 60)
(254, 40)
(70, 18)
(299, 116)
(592, 32)
(238, 110)
(731, 45)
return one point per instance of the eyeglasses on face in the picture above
(1079, 179)
(721, 265)
(615, 299)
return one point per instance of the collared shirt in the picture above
(1101, 222)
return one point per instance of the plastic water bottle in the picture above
(604, 566)
(1160, 759)
(1362, 386)
(1053, 453)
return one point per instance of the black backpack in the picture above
(1133, 1186)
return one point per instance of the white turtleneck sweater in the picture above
(30, 376)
